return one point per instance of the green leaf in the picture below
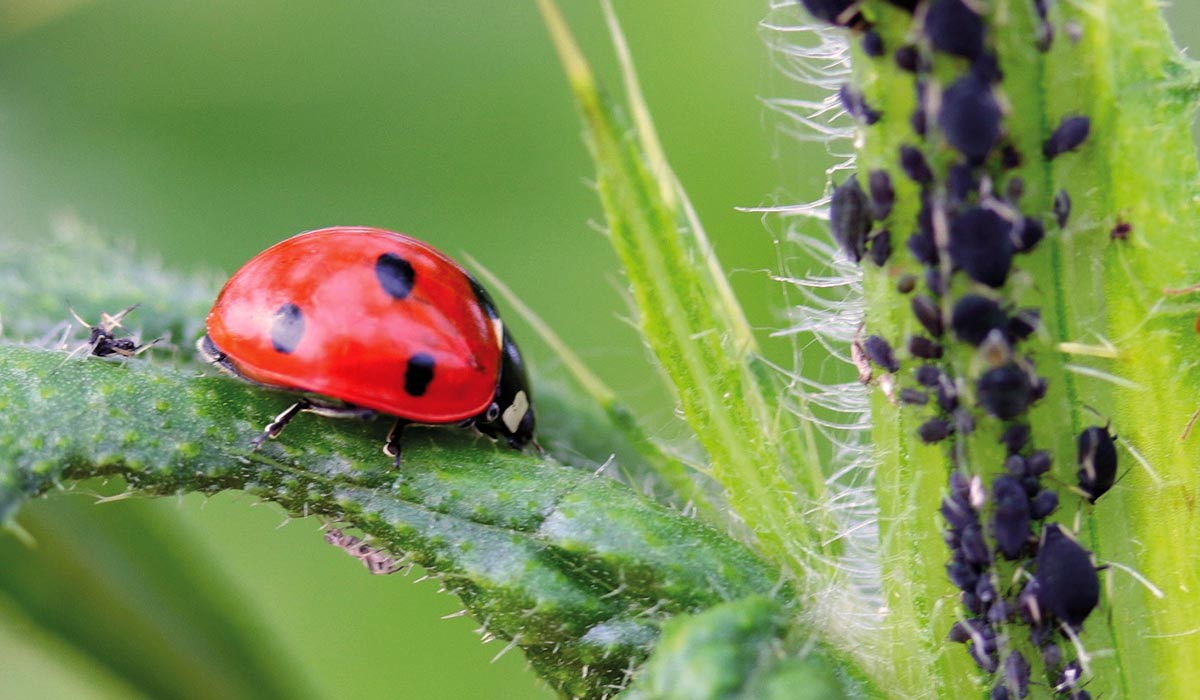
(576, 570)
(734, 651)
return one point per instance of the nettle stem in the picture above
(1111, 348)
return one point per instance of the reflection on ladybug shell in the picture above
(366, 316)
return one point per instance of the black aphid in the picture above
(1014, 189)
(1016, 673)
(1005, 392)
(906, 284)
(962, 575)
(843, 13)
(1121, 231)
(881, 247)
(1068, 586)
(856, 106)
(913, 397)
(929, 376)
(872, 43)
(850, 218)
(935, 281)
(1010, 157)
(980, 244)
(958, 515)
(964, 421)
(954, 28)
(1010, 521)
(909, 5)
(947, 396)
(1070, 134)
(960, 185)
(1043, 504)
(1062, 208)
(1015, 438)
(914, 165)
(1000, 692)
(1043, 36)
(881, 353)
(924, 348)
(1030, 232)
(974, 317)
(908, 58)
(986, 67)
(1015, 465)
(929, 315)
(1097, 462)
(974, 548)
(1051, 655)
(1038, 463)
(1023, 323)
(922, 247)
(933, 430)
(970, 117)
(883, 195)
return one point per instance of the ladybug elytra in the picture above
(365, 321)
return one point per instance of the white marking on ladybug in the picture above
(515, 412)
(498, 327)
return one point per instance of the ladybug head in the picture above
(510, 416)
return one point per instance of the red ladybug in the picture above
(370, 321)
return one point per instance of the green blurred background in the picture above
(206, 131)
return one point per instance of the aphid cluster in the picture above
(966, 359)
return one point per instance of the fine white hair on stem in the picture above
(826, 308)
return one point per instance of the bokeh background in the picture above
(206, 131)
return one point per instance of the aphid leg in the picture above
(276, 426)
(391, 446)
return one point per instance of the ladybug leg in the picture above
(391, 447)
(276, 426)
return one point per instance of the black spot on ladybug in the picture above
(856, 106)
(1010, 520)
(843, 13)
(974, 317)
(880, 352)
(908, 58)
(850, 218)
(914, 165)
(418, 374)
(883, 195)
(872, 43)
(1097, 459)
(928, 314)
(1062, 208)
(970, 118)
(954, 28)
(909, 5)
(1121, 231)
(1030, 232)
(924, 348)
(396, 275)
(1070, 134)
(1005, 392)
(934, 430)
(881, 247)
(981, 245)
(287, 328)
(1068, 586)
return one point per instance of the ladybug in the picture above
(366, 321)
